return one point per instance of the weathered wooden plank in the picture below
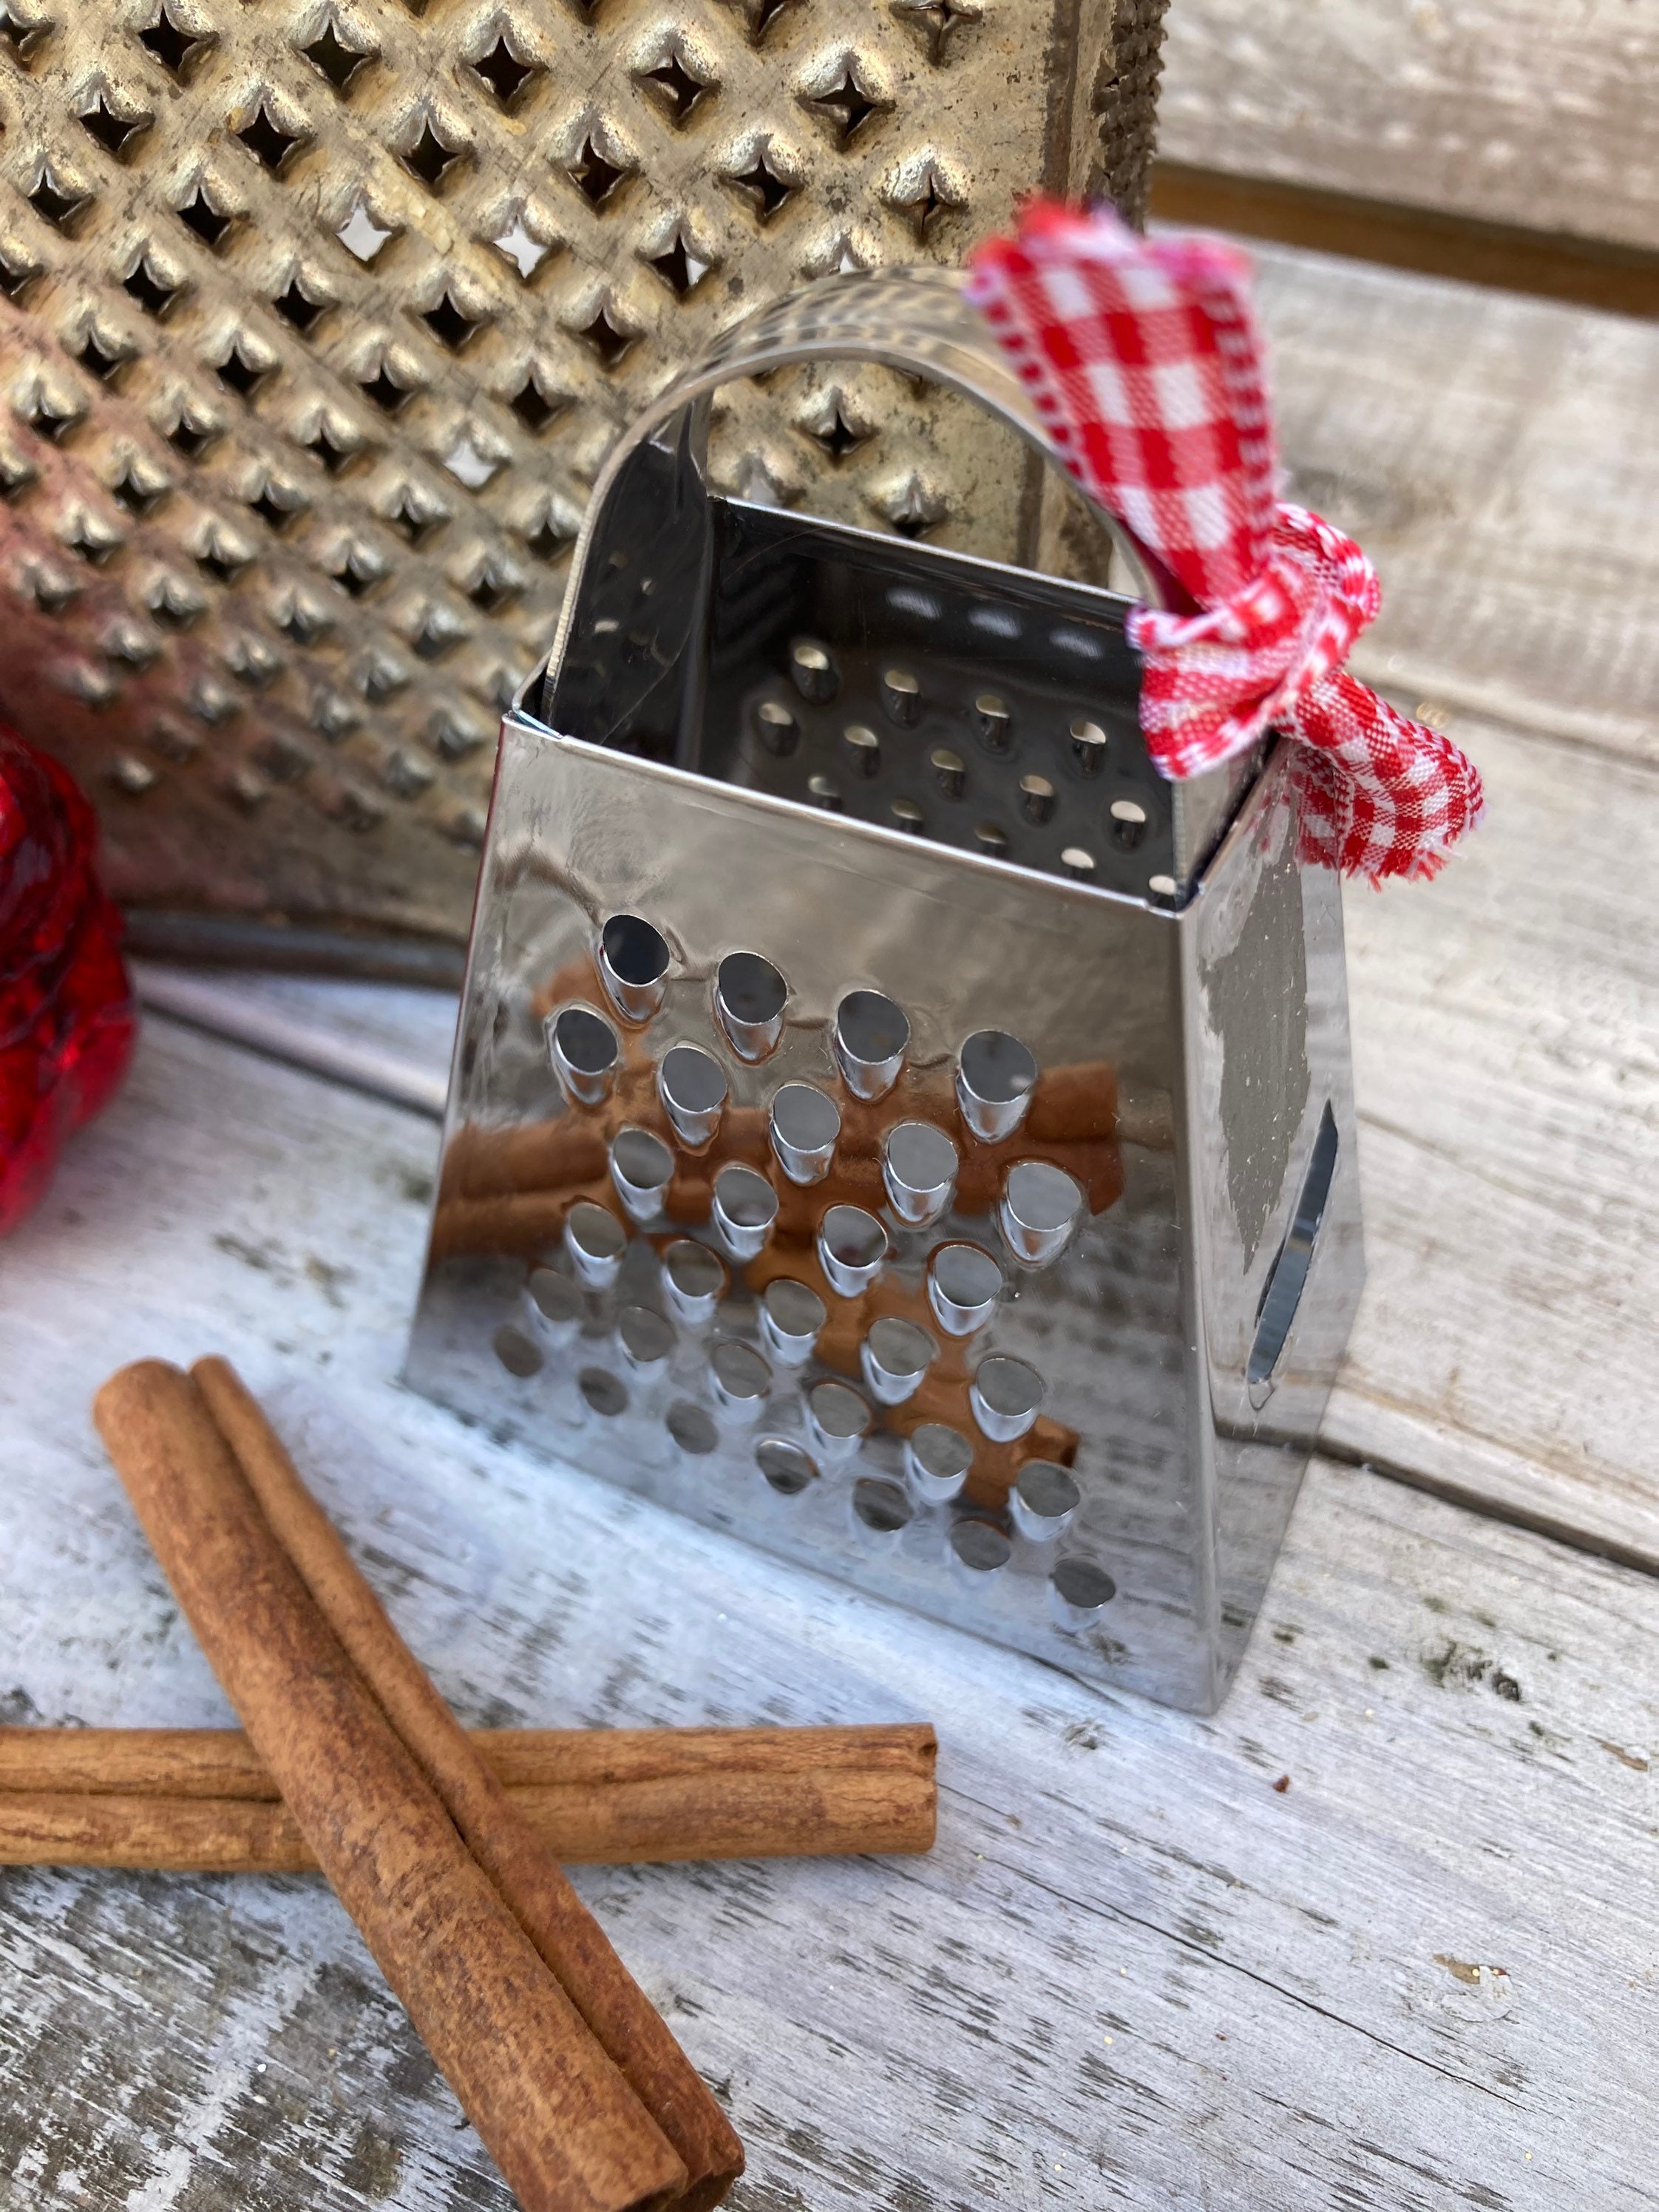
(1135, 1971)
(1494, 455)
(1522, 110)
(1508, 1081)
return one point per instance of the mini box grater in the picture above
(890, 1122)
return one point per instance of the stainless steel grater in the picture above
(889, 1121)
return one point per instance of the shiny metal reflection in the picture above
(918, 1168)
(1079, 863)
(694, 1281)
(805, 1125)
(1078, 1591)
(749, 997)
(1041, 1206)
(894, 1357)
(791, 1316)
(1004, 1395)
(744, 1207)
(786, 1466)
(851, 1250)
(596, 1242)
(1044, 1501)
(979, 1548)
(641, 1168)
(838, 1419)
(740, 1377)
(692, 1085)
(995, 1077)
(646, 1339)
(964, 1284)
(634, 962)
(937, 1461)
(872, 1036)
(584, 1050)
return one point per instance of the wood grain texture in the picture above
(1522, 110)
(1494, 456)
(1135, 1971)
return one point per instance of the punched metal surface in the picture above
(320, 316)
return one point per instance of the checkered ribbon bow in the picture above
(1143, 360)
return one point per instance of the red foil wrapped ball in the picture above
(67, 1023)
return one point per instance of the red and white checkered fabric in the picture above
(1143, 359)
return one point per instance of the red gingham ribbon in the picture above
(1143, 360)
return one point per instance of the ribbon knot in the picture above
(1143, 359)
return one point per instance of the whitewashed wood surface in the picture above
(1133, 1972)
(1496, 457)
(1518, 111)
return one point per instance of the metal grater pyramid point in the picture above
(321, 316)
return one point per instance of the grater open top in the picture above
(889, 1121)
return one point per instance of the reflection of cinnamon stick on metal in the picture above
(199, 1799)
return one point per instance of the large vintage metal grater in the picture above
(889, 1121)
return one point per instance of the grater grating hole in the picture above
(749, 998)
(175, 47)
(786, 1466)
(694, 1280)
(333, 58)
(881, 1506)
(1081, 1588)
(792, 1314)
(937, 1461)
(641, 1168)
(742, 1380)
(1089, 745)
(268, 139)
(676, 87)
(584, 1051)
(995, 1077)
(838, 1418)
(805, 1125)
(1128, 820)
(603, 1391)
(894, 1358)
(692, 1085)
(964, 1284)
(872, 1036)
(918, 1171)
(692, 1428)
(596, 1242)
(505, 72)
(1005, 1395)
(1036, 798)
(981, 1548)
(634, 962)
(515, 1351)
(852, 1249)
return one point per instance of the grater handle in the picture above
(917, 320)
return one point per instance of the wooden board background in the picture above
(1523, 111)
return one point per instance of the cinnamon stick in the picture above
(554, 2111)
(625, 2023)
(199, 1800)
